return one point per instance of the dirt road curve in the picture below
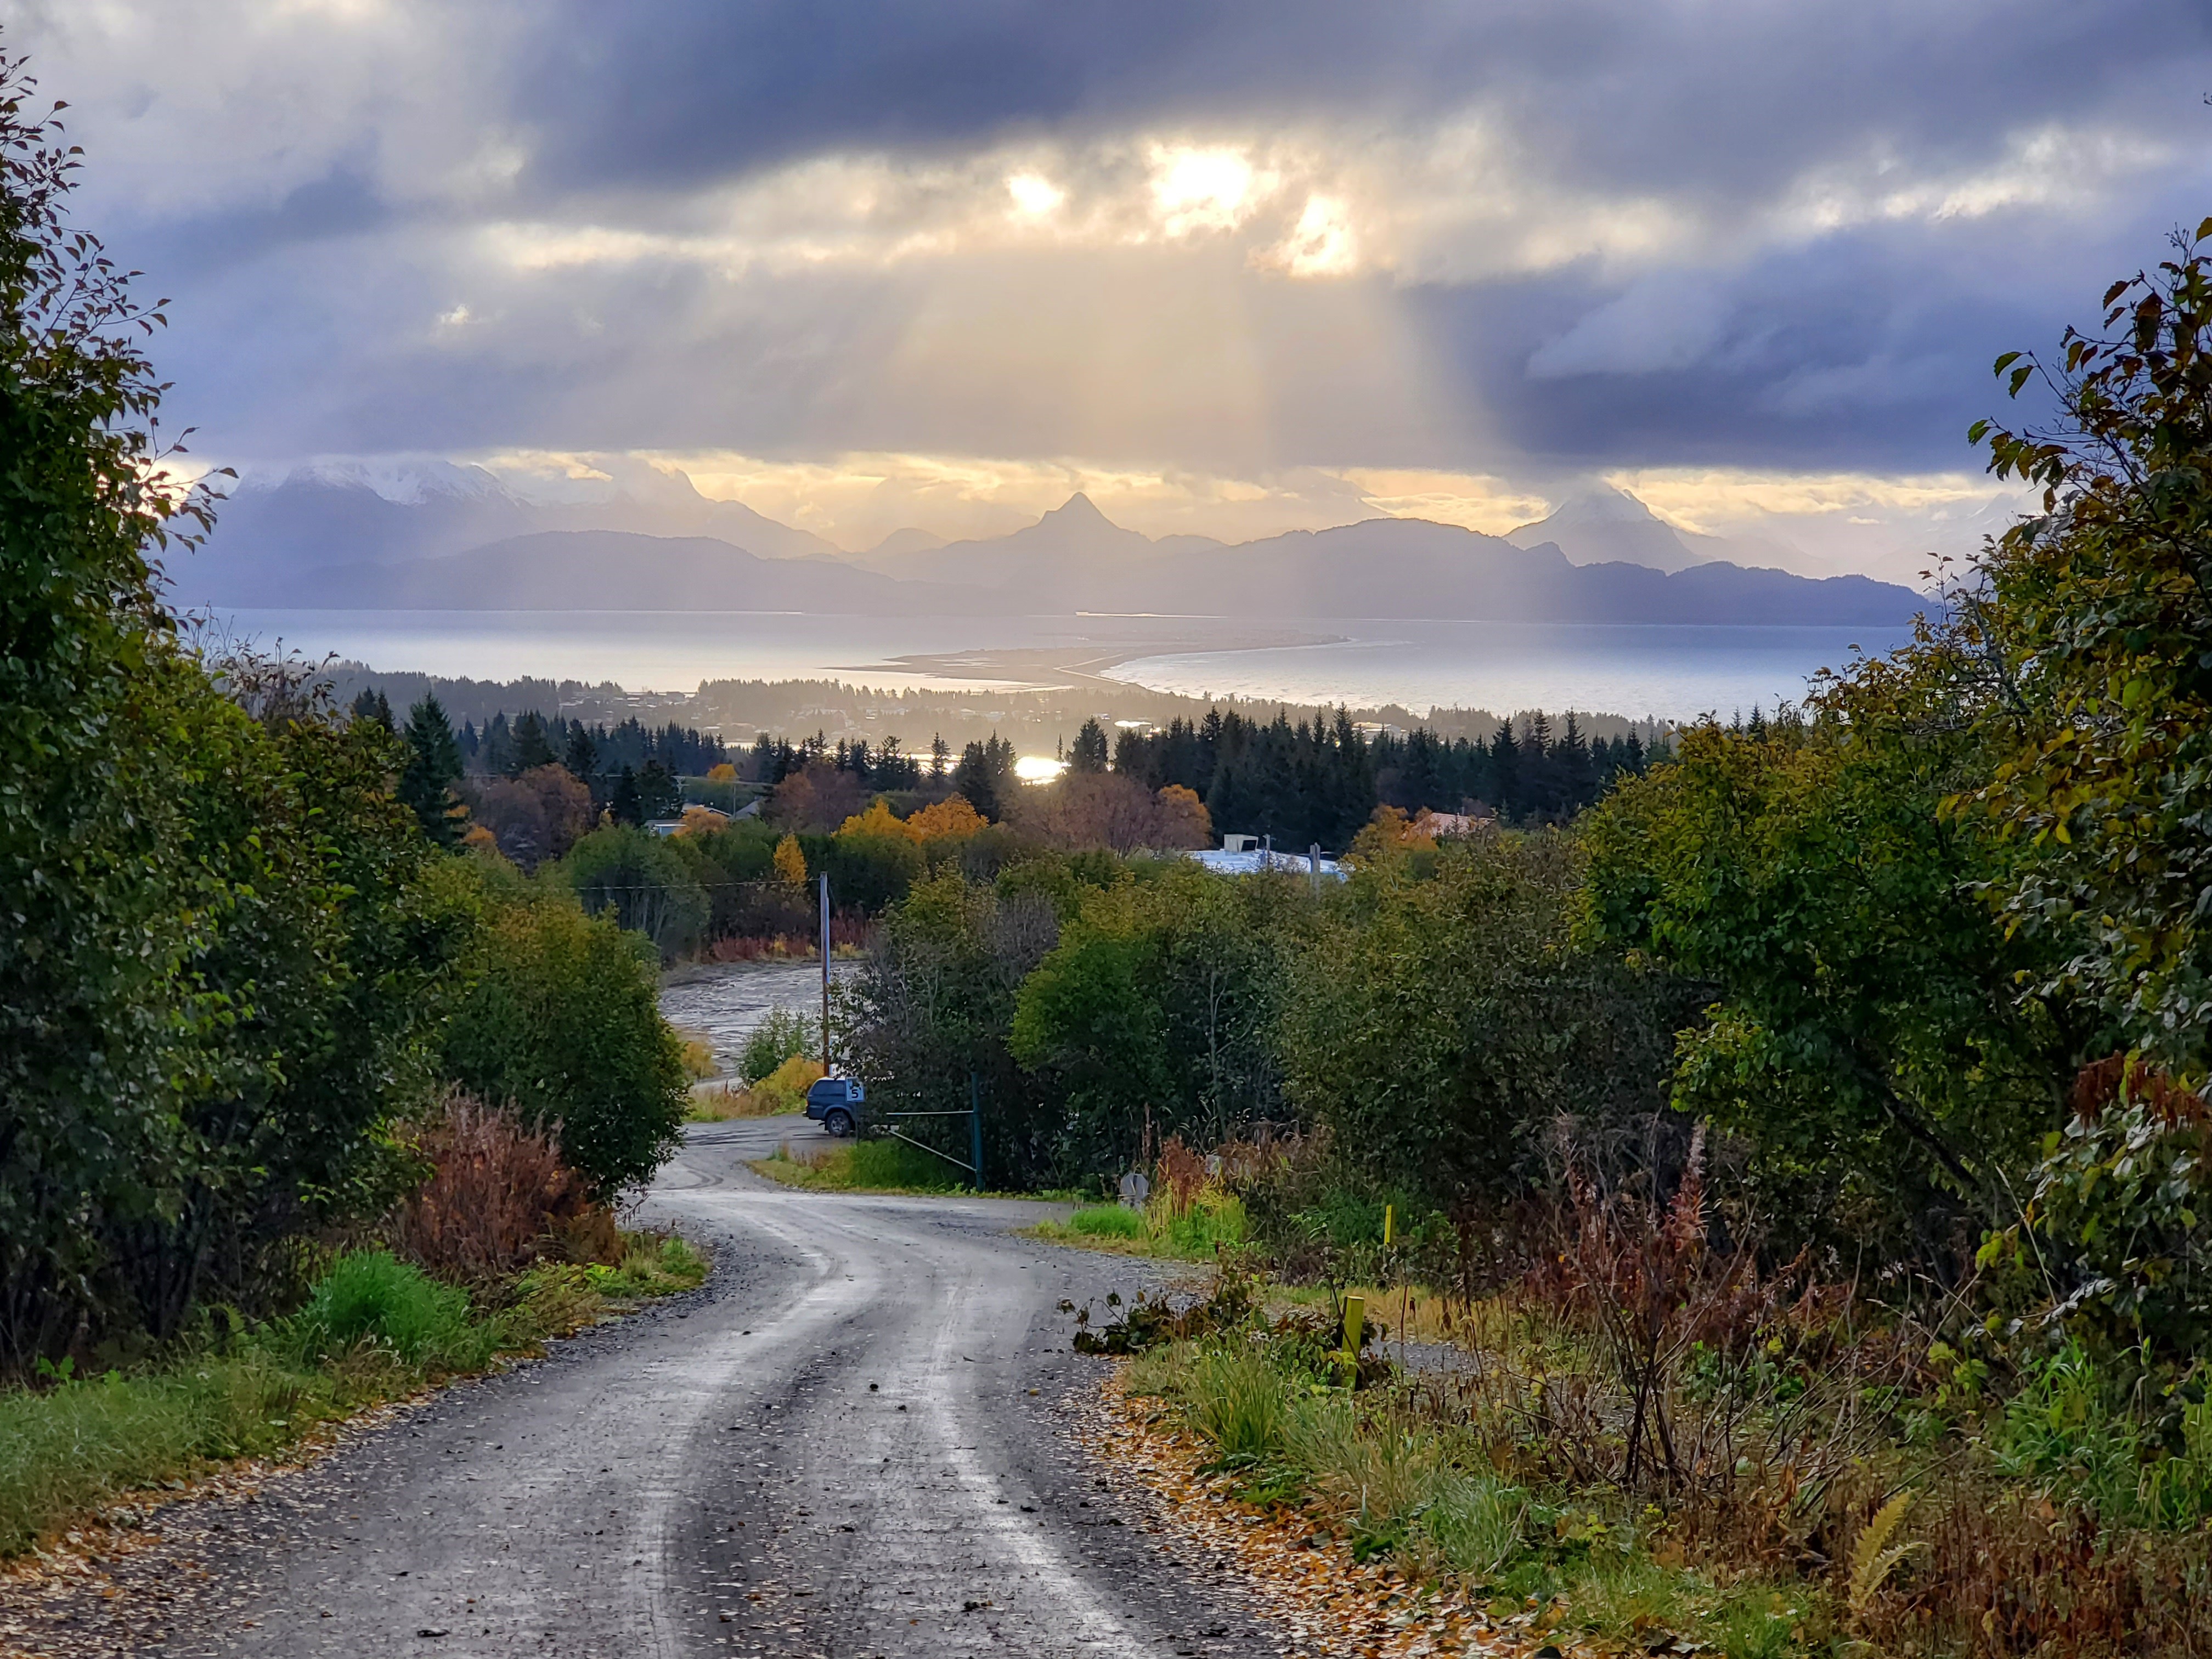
(852, 1443)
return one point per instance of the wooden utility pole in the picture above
(825, 973)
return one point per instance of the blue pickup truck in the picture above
(835, 1103)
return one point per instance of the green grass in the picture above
(370, 1296)
(649, 1267)
(1107, 1221)
(1199, 1231)
(373, 1329)
(1392, 1485)
(862, 1166)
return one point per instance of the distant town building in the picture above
(1248, 855)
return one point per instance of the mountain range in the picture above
(437, 537)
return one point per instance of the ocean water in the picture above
(1663, 672)
(1668, 673)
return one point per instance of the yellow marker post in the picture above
(1355, 1316)
(1386, 1210)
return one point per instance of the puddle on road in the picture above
(724, 1002)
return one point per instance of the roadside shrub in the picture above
(372, 1295)
(2122, 1197)
(497, 1198)
(784, 1035)
(562, 1020)
(784, 1090)
(698, 1056)
(1211, 1221)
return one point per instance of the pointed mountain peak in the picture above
(1602, 504)
(1078, 509)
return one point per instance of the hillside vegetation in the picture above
(298, 1107)
(1809, 1142)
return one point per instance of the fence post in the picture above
(976, 1128)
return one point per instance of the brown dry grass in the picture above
(498, 1199)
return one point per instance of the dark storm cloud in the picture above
(343, 203)
(1867, 351)
(1703, 101)
(343, 305)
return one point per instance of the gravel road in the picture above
(724, 1002)
(851, 1442)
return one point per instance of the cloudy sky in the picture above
(1233, 266)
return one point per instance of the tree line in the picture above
(231, 961)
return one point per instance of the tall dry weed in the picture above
(498, 1198)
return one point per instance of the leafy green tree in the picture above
(562, 1017)
(220, 936)
(331, 940)
(1442, 1023)
(103, 1032)
(2091, 621)
(1864, 1034)
(935, 1002)
(433, 767)
(642, 882)
(1159, 1006)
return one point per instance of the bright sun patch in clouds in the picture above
(1319, 245)
(1038, 197)
(1197, 190)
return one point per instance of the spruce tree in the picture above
(1088, 753)
(434, 766)
(626, 805)
(1505, 769)
(582, 755)
(531, 749)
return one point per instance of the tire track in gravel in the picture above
(854, 1441)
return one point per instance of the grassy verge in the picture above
(374, 1330)
(1767, 1502)
(783, 1090)
(861, 1166)
(874, 1166)
(1199, 1229)
(1370, 1471)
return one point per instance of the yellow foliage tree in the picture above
(952, 816)
(722, 773)
(698, 820)
(1184, 820)
(790, 862)
(1389, 831)
(878, 820)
